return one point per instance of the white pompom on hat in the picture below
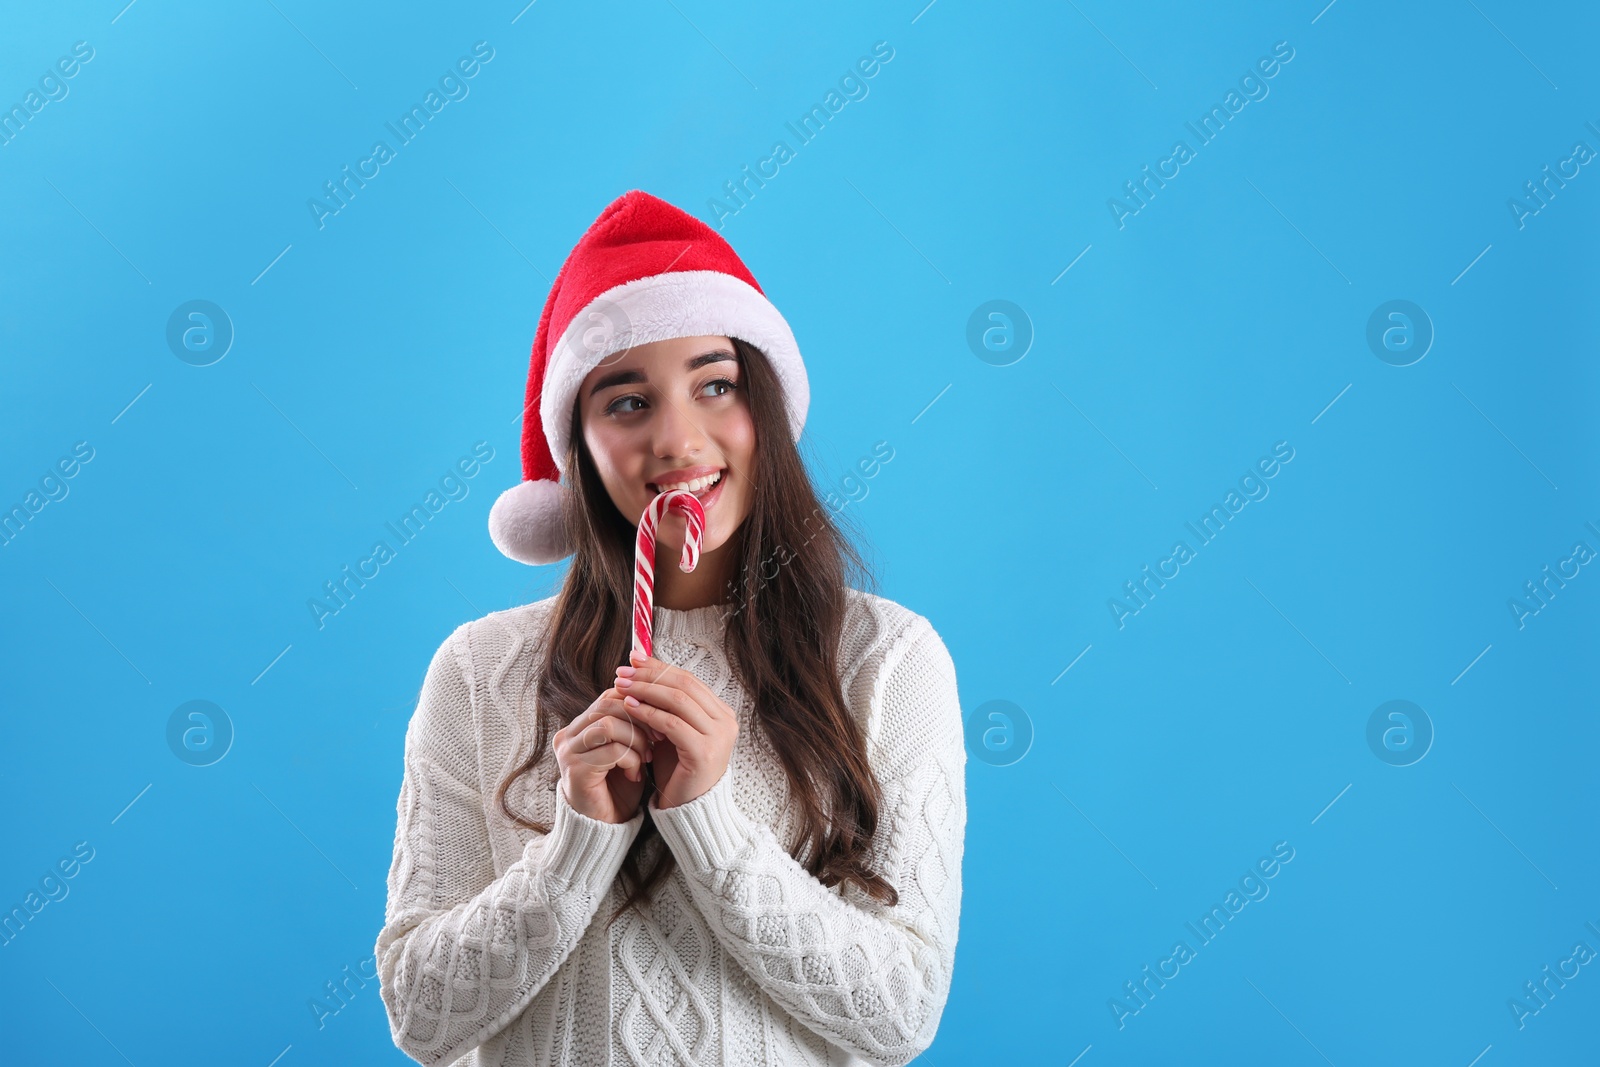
(644, 271)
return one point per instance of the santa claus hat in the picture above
(644, 271)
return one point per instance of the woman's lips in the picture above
(710, 495)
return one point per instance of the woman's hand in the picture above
(696, 730)
(602, 754)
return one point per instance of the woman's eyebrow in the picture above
(632, 377)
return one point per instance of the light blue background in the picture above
(1227, 315)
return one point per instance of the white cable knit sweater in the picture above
(495, 948)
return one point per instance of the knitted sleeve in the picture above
(462, 952)
(866, 977)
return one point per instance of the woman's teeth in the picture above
(694, 486)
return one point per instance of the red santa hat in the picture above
(644, 271)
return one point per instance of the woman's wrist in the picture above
(708, 831)
(581, 850)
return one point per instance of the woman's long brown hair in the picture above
(784, 611)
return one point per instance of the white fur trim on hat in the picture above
(525, 523)
(689, 303)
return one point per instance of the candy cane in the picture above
(644, 556)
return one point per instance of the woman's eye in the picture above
(615, 408)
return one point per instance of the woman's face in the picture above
(668, 413)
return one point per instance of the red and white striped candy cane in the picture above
(644, 556)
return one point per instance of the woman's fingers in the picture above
(655, 670)
(605, 722)
(594, 729)
(601, 758)
(651, 671)
(690, 683)
(619, 703)
(615, 754)
(672, 727)
(667, 698)
(610, 704)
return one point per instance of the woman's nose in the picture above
(676, 432)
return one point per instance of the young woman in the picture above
(745, 849)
